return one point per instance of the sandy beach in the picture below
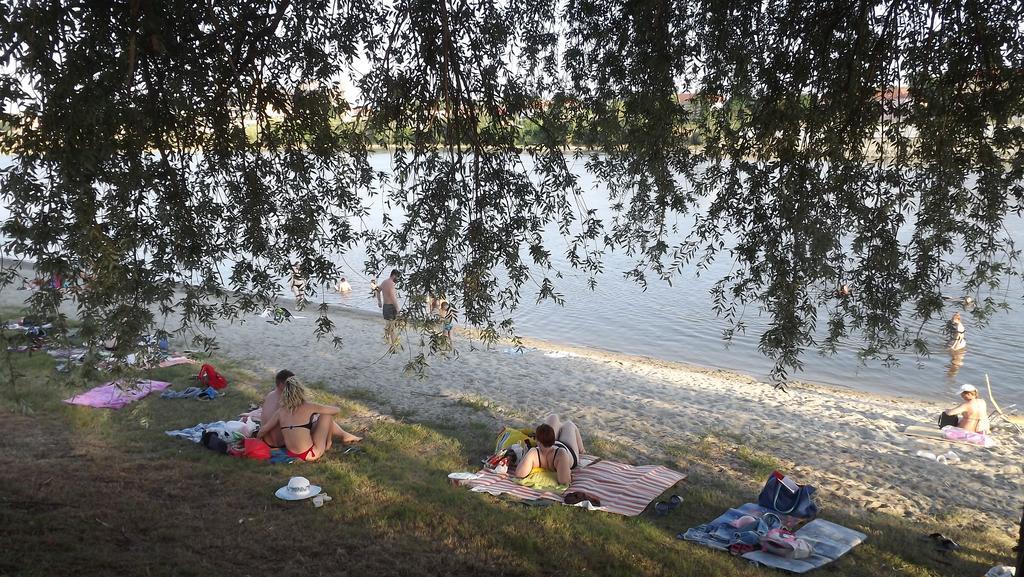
(846, 443)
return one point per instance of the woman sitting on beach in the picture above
(560, 446)
(973, 411)
(308, 428)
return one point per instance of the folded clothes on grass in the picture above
(209, 393)
(117, 394)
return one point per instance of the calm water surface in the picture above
(677, 323)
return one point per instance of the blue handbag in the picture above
(779, 496)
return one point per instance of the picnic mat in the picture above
(830, 541)
(623, 489)
(116, 394)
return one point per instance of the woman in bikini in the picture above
(559, 448)
(308, 428)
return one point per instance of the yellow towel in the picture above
(543, 479)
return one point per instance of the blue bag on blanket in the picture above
(785, 496)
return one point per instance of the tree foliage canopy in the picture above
(875, 144)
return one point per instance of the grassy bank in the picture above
(98, 492)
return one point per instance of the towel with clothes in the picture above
(227, 430)
(760, 535)
(233, 432)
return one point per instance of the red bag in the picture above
(256, 449)
(209, 377)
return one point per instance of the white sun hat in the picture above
(968, 388)
(298, 488)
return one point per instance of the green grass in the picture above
(97, 492)
(759, 464)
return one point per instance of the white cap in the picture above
(967, 388)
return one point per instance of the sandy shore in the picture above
(846, 443)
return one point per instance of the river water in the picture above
(677, 323)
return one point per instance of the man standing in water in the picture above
(387, 300)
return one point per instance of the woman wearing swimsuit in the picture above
(559, 448)
(308, 428)
(958, 333)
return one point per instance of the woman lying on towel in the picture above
(308, 428)
(559, 448)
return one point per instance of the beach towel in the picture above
(829, 540)
(172, 361)
(622, 489)
(543, 480)
(952, 435)
(116, 394)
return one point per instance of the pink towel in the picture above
(113, 396)
(957, 434)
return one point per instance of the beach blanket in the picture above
(952, 435)
(830, 541)
(622, 489)
(116, 394)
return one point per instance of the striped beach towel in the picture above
(623, 489)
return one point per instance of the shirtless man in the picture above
(273, 437)
(387, 300)
(270, 404)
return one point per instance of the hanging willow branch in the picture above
(187, 157)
